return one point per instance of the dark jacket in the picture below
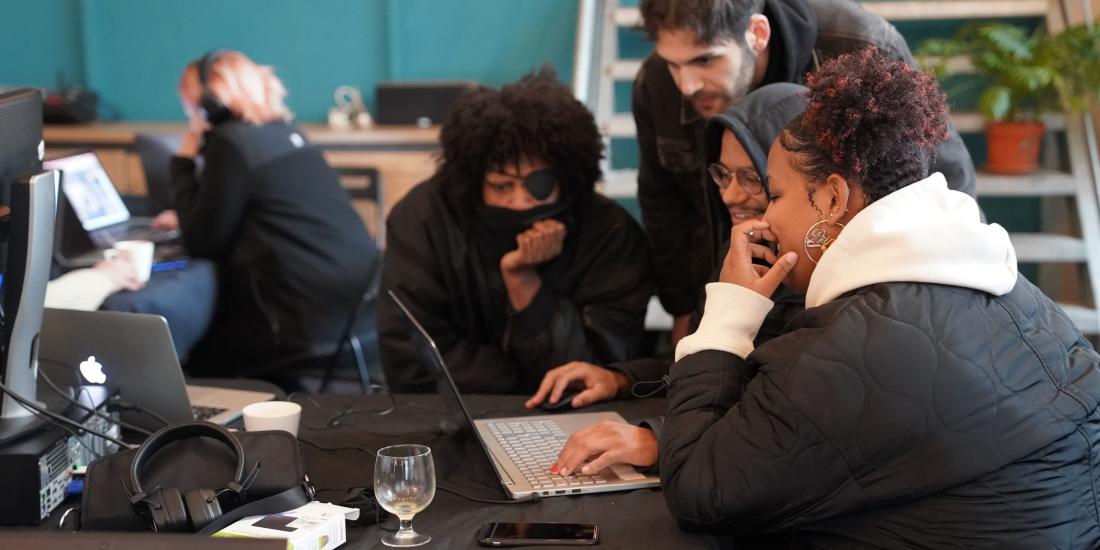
(755, 121)
(294, 255)
(902, 415)
(960, 411)
(591, 305)
(680, 208)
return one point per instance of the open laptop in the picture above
(134, 353)
(523, 448)
(91, 216)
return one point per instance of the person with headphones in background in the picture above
(292, 253)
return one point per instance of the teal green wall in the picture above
(40, 39)
(496, 41)
(131, 51)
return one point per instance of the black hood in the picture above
(794, 33)
(756, 121)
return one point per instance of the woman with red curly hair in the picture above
(928, 396)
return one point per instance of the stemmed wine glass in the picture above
(404, 484)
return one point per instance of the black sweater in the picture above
(591, 305)
(294, 255)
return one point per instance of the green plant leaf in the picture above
(1009, 39)
(996, 103)
(1028, 72)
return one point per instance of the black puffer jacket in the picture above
(971, 424)
(591, 305)
(681, 209)
(895, 414)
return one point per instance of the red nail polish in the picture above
(554, 469)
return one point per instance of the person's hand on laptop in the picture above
(606, 444)
(121, 273)
(598, 383)
(167, 220)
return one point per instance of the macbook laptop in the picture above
(91, 216)
(134, 353)
(523, 448)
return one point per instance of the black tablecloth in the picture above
(635, 519)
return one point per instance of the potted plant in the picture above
(1027, 74)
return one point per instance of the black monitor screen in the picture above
(20, 136)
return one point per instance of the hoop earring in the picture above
(816, 237)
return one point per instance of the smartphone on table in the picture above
(502, 533)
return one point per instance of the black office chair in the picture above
(371, 190)
(368, 362)
(315, 371)
(155, 152)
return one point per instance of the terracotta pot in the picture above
(1013, 147)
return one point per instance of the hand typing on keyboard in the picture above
(606, 443)
(532, 446)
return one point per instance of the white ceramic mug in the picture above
(138, 253)
(272, 415)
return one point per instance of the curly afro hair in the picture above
(534, 118)
(870, 119)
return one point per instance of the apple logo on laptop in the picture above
(92, 371)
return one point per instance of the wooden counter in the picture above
(403, 155)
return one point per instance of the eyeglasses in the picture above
(747, 178)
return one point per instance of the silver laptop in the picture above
(89, 198)
(134, 353)
(523, 448)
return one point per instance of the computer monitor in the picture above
(30, 197)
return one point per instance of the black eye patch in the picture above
(540, 183)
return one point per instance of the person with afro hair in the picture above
(928, 396)
(507, 256)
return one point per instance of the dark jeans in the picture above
(185, 297)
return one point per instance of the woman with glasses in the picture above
(736, 146)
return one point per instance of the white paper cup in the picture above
(272, 415)
(137, 253)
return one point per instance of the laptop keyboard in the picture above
(534, 446)
(150, 234)
(123, 232)
(206, 413)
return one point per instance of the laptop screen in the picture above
(433, 361)
(89, 191)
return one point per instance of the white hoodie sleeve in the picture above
(732, 318)
(83, 289)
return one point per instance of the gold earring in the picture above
(817, 237)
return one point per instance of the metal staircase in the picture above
(1067, 196)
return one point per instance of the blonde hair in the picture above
(252, 92)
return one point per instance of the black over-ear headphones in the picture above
(166, 508)
(215, 111)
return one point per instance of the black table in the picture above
(635, 519)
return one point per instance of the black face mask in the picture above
(496, 228)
